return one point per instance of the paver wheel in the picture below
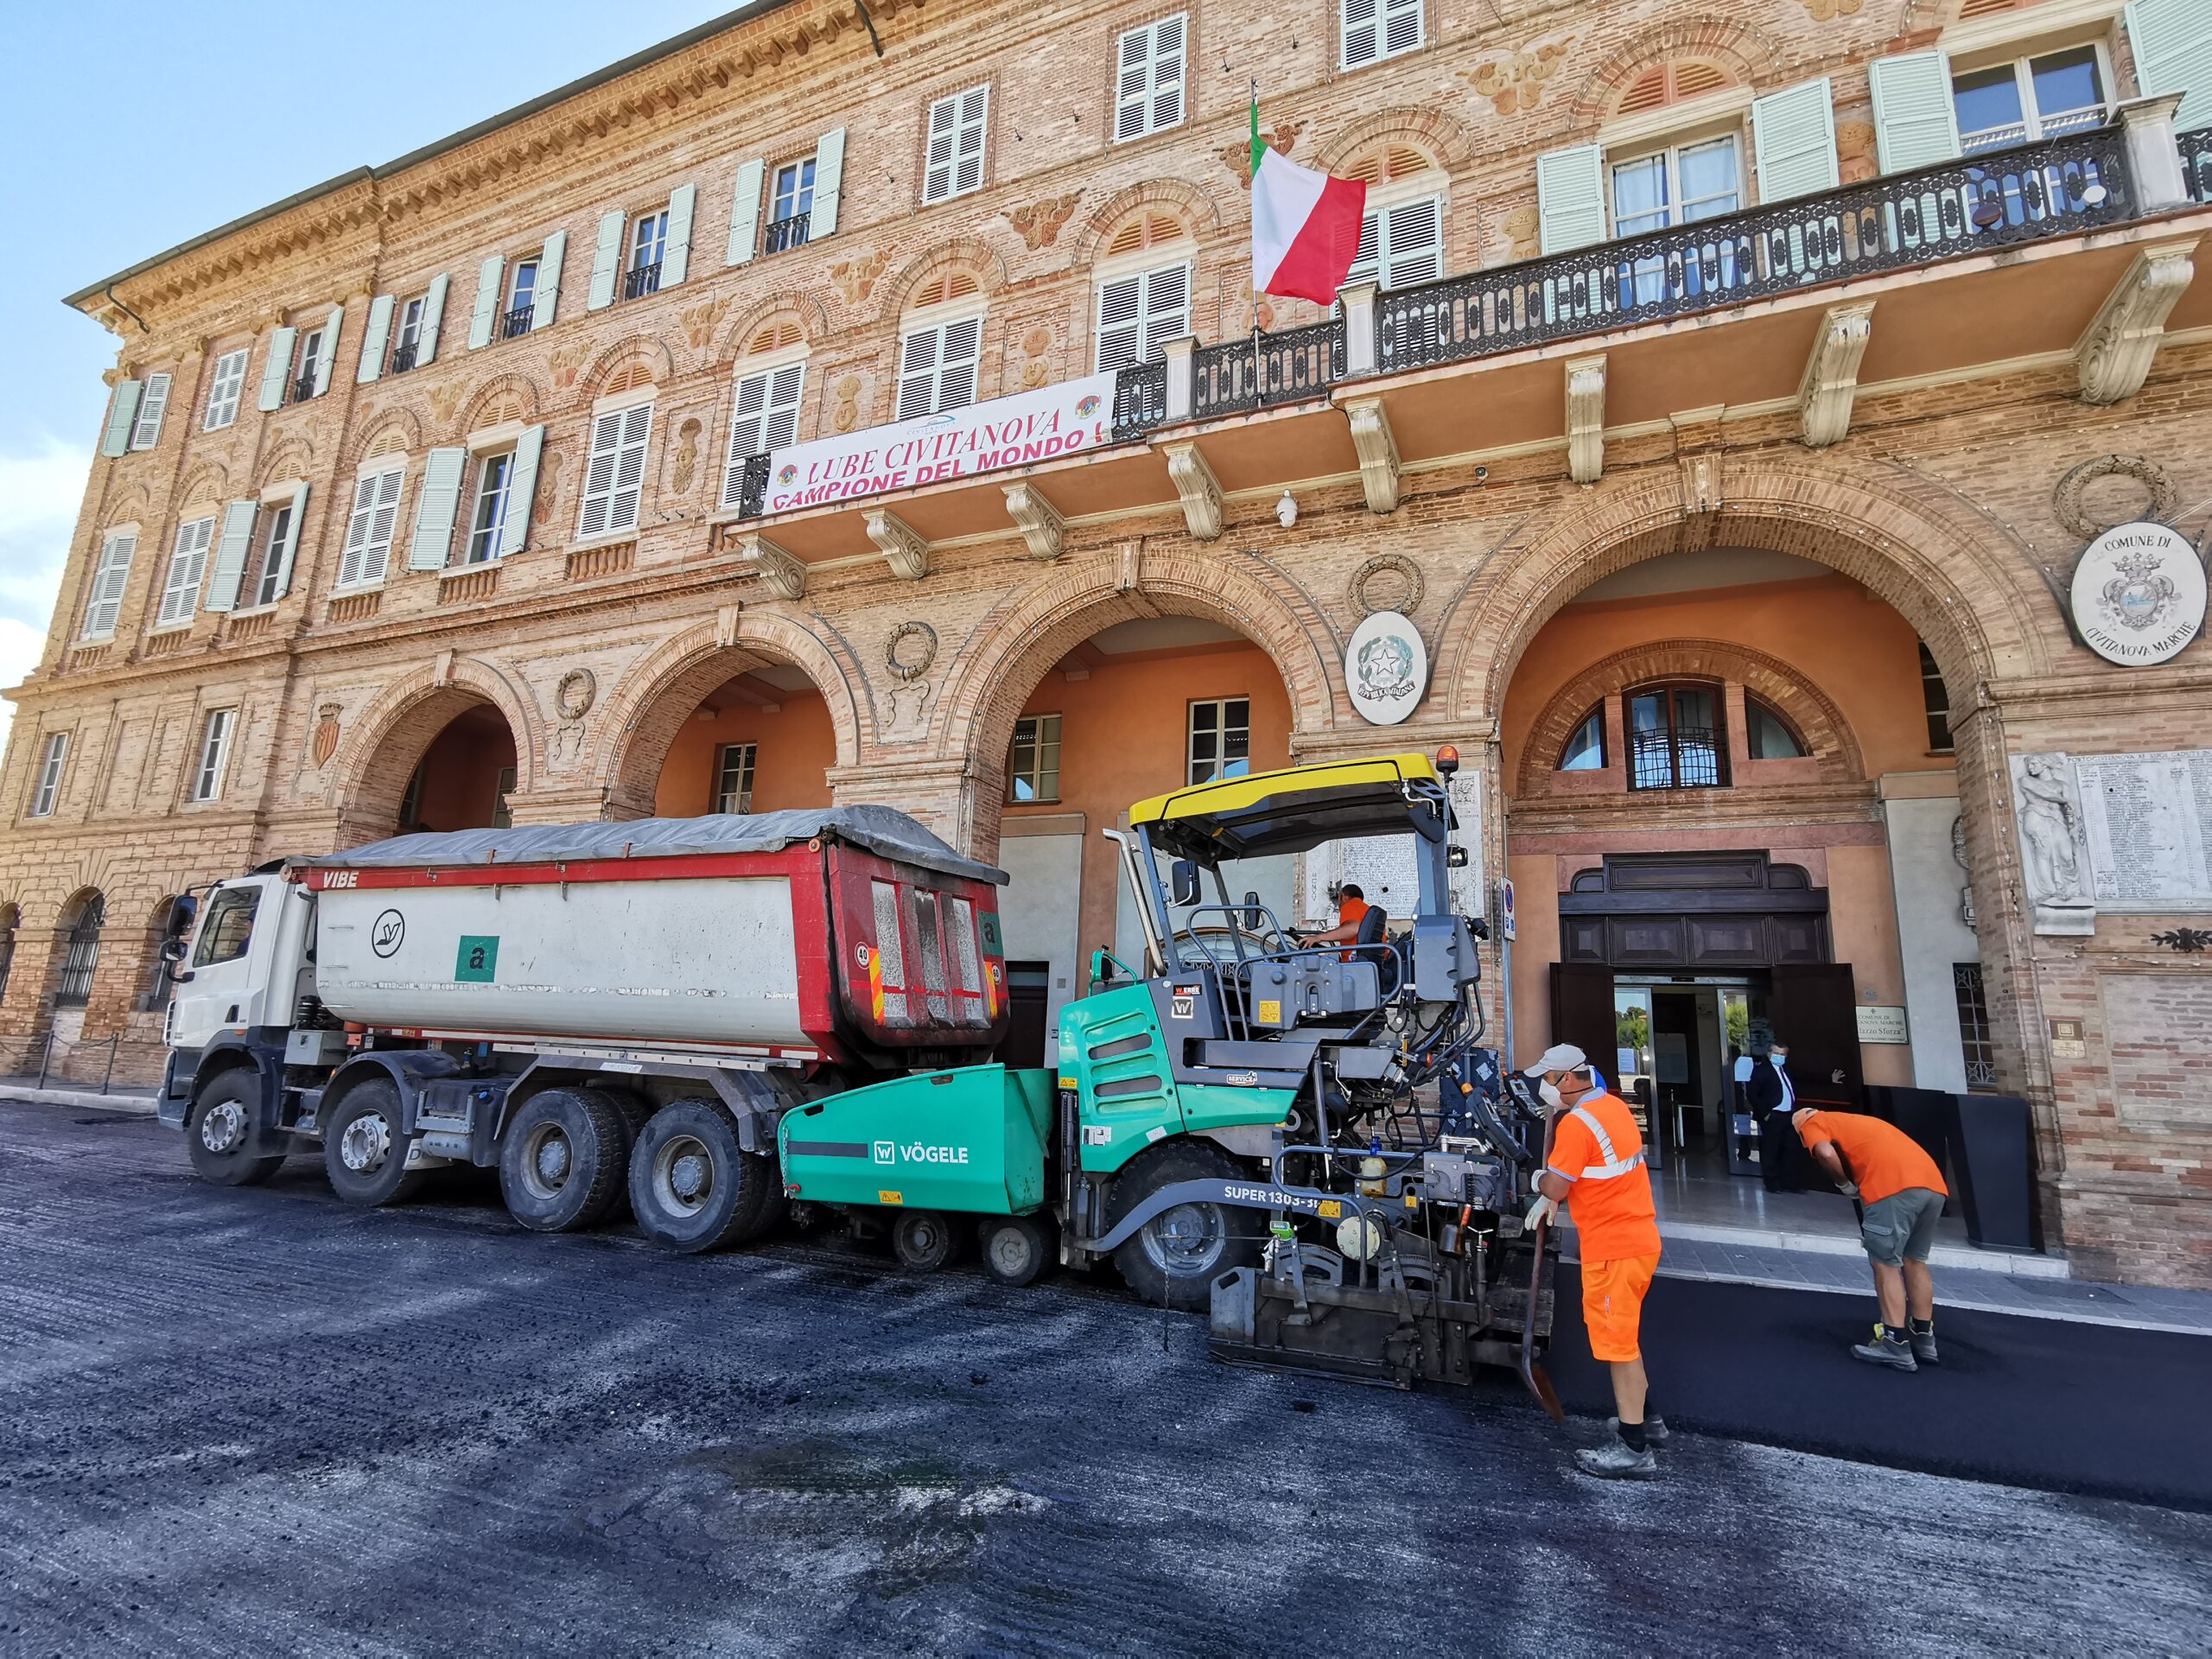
(1175, 1257)
(923, 1240)
(692, 1186)
(221, 1135)
(562, 1159)
(1019, 1249)
(363, 1153)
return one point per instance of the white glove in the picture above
(1543, 1209)
(1847, 1189)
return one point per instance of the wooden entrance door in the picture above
(1582, 1012)
(1813, 1007)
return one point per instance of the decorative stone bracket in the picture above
(780, 573)
(1039, 521)
(900, 544)
(1378, 452)
(2114, 356)
(1585, 419)
(1831, 381)
(1198, 489)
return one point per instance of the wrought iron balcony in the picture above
(2196, 163)
(640, 280)
(403, 358)
(752, 487)
(516, 323)
(782, 234)
(1239, 375)
(304, 387)
(1139, 399)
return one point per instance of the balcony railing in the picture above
(304, 387)
(784, 234)
(1139, 399)
(1689, 757)
(752, 487)
(516, 323)
(402, 357)
(1239, 375)
(641, 279)
(2196, 163)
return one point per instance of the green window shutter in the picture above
(489, 277)
(329, 352)
(606, 260)
(744, 212)
(829, 178)
(434, 313)
(1793, 140)
(291, 544)
(276, 366)
(547, 295)
(229, 556)
(1915, 124)
(1571, 197)
(122, 411)
(522, 484)
(374, 340)
(2173, 53)
(435, 510)
(675, 254)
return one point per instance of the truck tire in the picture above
(1019, 1249)
(692, 1188)
(363, 1152)
(1175, 1258)
(220, 1134)
(635, 1110)
(563, 1159)
(923, 1240)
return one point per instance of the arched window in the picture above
(1586, 744)
(1770, 736)
(82, 953)
(11, 919)
(1675, 737)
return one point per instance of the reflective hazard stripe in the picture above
(1614, 1164)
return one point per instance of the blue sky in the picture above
(219, 108)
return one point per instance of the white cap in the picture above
(1560, 1057)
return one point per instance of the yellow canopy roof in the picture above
(1289, 810)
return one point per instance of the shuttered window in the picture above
(112, 575)
(215, 754)
(1400, 244)
(766, 417)
(1149, 96)
(1139, 314)
(2172, 41)
(187, 564)
(224, 390)
(153, 403)
(48, 785)
(1375, 30)
(954, 165)
(369, 530)
(937, 367)
(273, 566)
(488, 521)
(614, 480)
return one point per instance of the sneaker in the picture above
(1886, 1350)
(1654, 1428)
(1923, 1347)
(1614, 1461)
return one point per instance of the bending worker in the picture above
(1903, 1193)
(1596, 1167)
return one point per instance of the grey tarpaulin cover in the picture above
(880, 829)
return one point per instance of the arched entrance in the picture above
(449, 762)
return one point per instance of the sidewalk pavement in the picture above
(74, 1094)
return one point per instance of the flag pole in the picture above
(1259, 383)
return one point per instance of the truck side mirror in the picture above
(173, 950)
(1455, 857)
(1252, 915)
(1183, 880)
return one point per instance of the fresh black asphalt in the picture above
(260, 1421)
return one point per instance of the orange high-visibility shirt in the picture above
(1883, 1159)
(1611, 1203)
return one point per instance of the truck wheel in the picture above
(922, 1240)
(692, 1186)
(220, 1134)
(564, 1156)
(363, 1151)
(1017, 1250)
(1175, 1257)
(635, 1111)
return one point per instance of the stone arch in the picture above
(483, 403)
(293, 458)
(395, 422)
(388, 739)
(1200, 214)
(1015, 644)
(1431, 132)
(731, 342)
(1810, 710)
(970, 253)
(208, 482)
(654, 697)
(127, 506)
(648, 349)
(1750, 55)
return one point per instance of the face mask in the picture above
(1547, 1092)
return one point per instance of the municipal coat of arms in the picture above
(1386, 668)
(2139, 596)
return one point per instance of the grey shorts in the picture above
(1902, 1227)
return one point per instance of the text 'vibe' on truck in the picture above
(721, 1022)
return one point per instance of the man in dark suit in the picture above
(1772, 1096)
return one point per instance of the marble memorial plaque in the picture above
(2148, 822)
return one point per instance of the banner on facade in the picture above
(1029, 427)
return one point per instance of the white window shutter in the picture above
(1170, 50)
(229, 556)
(1793, 140)
(187, 563)
(1359, 22)
(745, 213)
(936, 161)
(291, 544)
(1571, 197)
(277, 367)
(676, 254)
(1121, 323)
(606, 262)
(374, 338)
(112, 576)
(436, 509)
(122, 412)
(434, 313)
(328, 355)
(153, 403)
(614, 477)
(829, 179)
(1916, 122)
(2173, 53)
(1412, 249)
(975, 120)
(490, 278)
(547, 295)
(376, 510)
(522, 488)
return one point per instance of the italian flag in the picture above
(1304, 226)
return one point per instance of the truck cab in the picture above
(240, 974)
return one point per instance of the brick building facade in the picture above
(1763, 352)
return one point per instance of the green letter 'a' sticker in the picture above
(991, 945)
(479, 957)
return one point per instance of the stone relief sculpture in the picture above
(2052, 840)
